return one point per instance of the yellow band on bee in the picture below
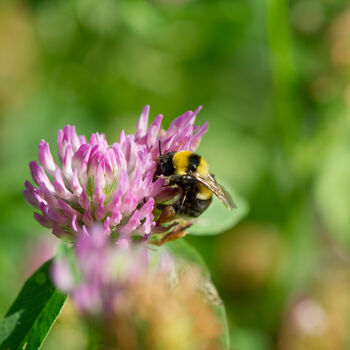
(181, 162)
(204, 193)
(203, 167)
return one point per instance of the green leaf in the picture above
(33, 313)
(217, 218)
(183, 250)
(225, 335)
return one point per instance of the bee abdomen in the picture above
(193, 209)
(204, 192)
(194, 202)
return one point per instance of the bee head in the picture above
(165, 165)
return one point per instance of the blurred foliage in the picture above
(274, 79)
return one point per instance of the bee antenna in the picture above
(160, 149)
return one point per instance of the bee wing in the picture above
(217, 189)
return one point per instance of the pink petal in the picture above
(39, 176)
(124, 181)
(74, 139)
(75, 183)
(87, 218)
(142, 123)
(60, 186)
(153, 130)
(42, 220)
(84, 200)
(67, 209)
(122, 138)
(79, 158)
(60, 145)
(45, 157)
(100, 212)
(106, 227)
(129, 203)
(74, 224)
(147, 208)
(147, 227)
(57, 230)
(116, 216)
(198, 136)
(119, 156)
(53, 215)
(67, 163)
(179, 122)
(133, 223)
(32, 195)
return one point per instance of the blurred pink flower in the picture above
(38, 251)
(117, 288)
(103, 270)
(95, 182)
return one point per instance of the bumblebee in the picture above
(189, 173)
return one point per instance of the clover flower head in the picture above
(95, 182)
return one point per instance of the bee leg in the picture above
(180, 204)
(161, 206)
(174, 235)
(168, 214)
(183, 199)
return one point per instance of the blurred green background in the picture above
(274, 79)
